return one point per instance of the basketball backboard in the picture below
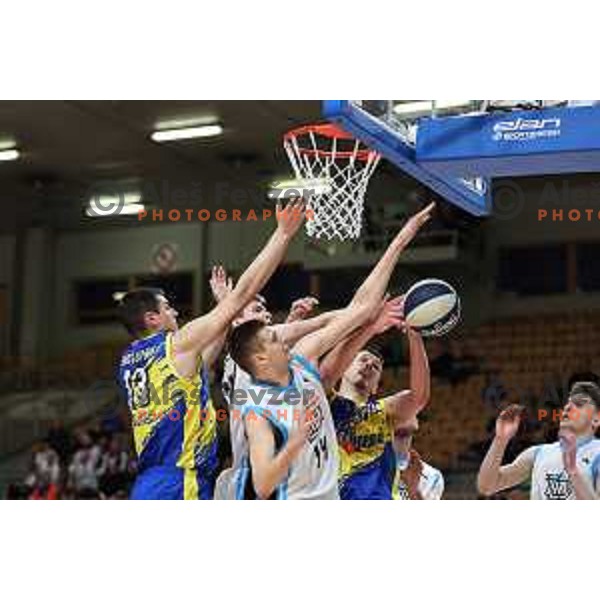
(456, 147)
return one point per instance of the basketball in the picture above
(432, 307)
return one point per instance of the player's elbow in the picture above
(364, 303)
(328, 377)
(263, 488)
(484, 487)
(421, 400)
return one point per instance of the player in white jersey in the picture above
(289, 449)
(235, 378)
(414, 479)
(569, 469)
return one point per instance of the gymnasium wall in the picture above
(7, 249)
(524, 198)
(526, 229)
(110, 253)
(128, 251)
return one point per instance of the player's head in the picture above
(255, 310)
(364, 373)
(581, 413)
(404, 422)
(258, 349)
(147, 310)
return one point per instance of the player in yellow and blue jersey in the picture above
(375, 434)
(163, 377)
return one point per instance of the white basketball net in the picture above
(343, 165)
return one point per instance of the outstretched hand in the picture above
(291, 217)
(508, 422)
(389, 314)
(301, 308)
(412, 475)
(412, 226)
(220, 284)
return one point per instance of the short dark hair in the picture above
(587, 388)
(243, 342)
(135, 304)
(374, 350)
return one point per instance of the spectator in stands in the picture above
(46, 466)
(45, 492)
(44, 478)
(84, 467)
(101, 467)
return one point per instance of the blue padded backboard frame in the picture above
(511, 144)
(535, 142)
(382, 138)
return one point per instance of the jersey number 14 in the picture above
(321, 451)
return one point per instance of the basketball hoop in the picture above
(327, 153)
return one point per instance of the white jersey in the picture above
(313, 474)
(549, 480)
(234, 378)
(431, 484)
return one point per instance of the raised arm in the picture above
(291, 332)
(493, 477)
(377, 281)
(340, 358)
(199, 333)
(221, 286)
(415, 399)
(368, 296)
(318, 343)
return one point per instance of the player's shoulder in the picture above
(538, 451)
(592, 449)
(342, 409)
(432, 473)
(143, 349)
(302, 365)
(594, 444)
(433, 482)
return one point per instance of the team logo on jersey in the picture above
(358, 430)
(315, 417)
(558, 486)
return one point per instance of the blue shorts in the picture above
(170, 483)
